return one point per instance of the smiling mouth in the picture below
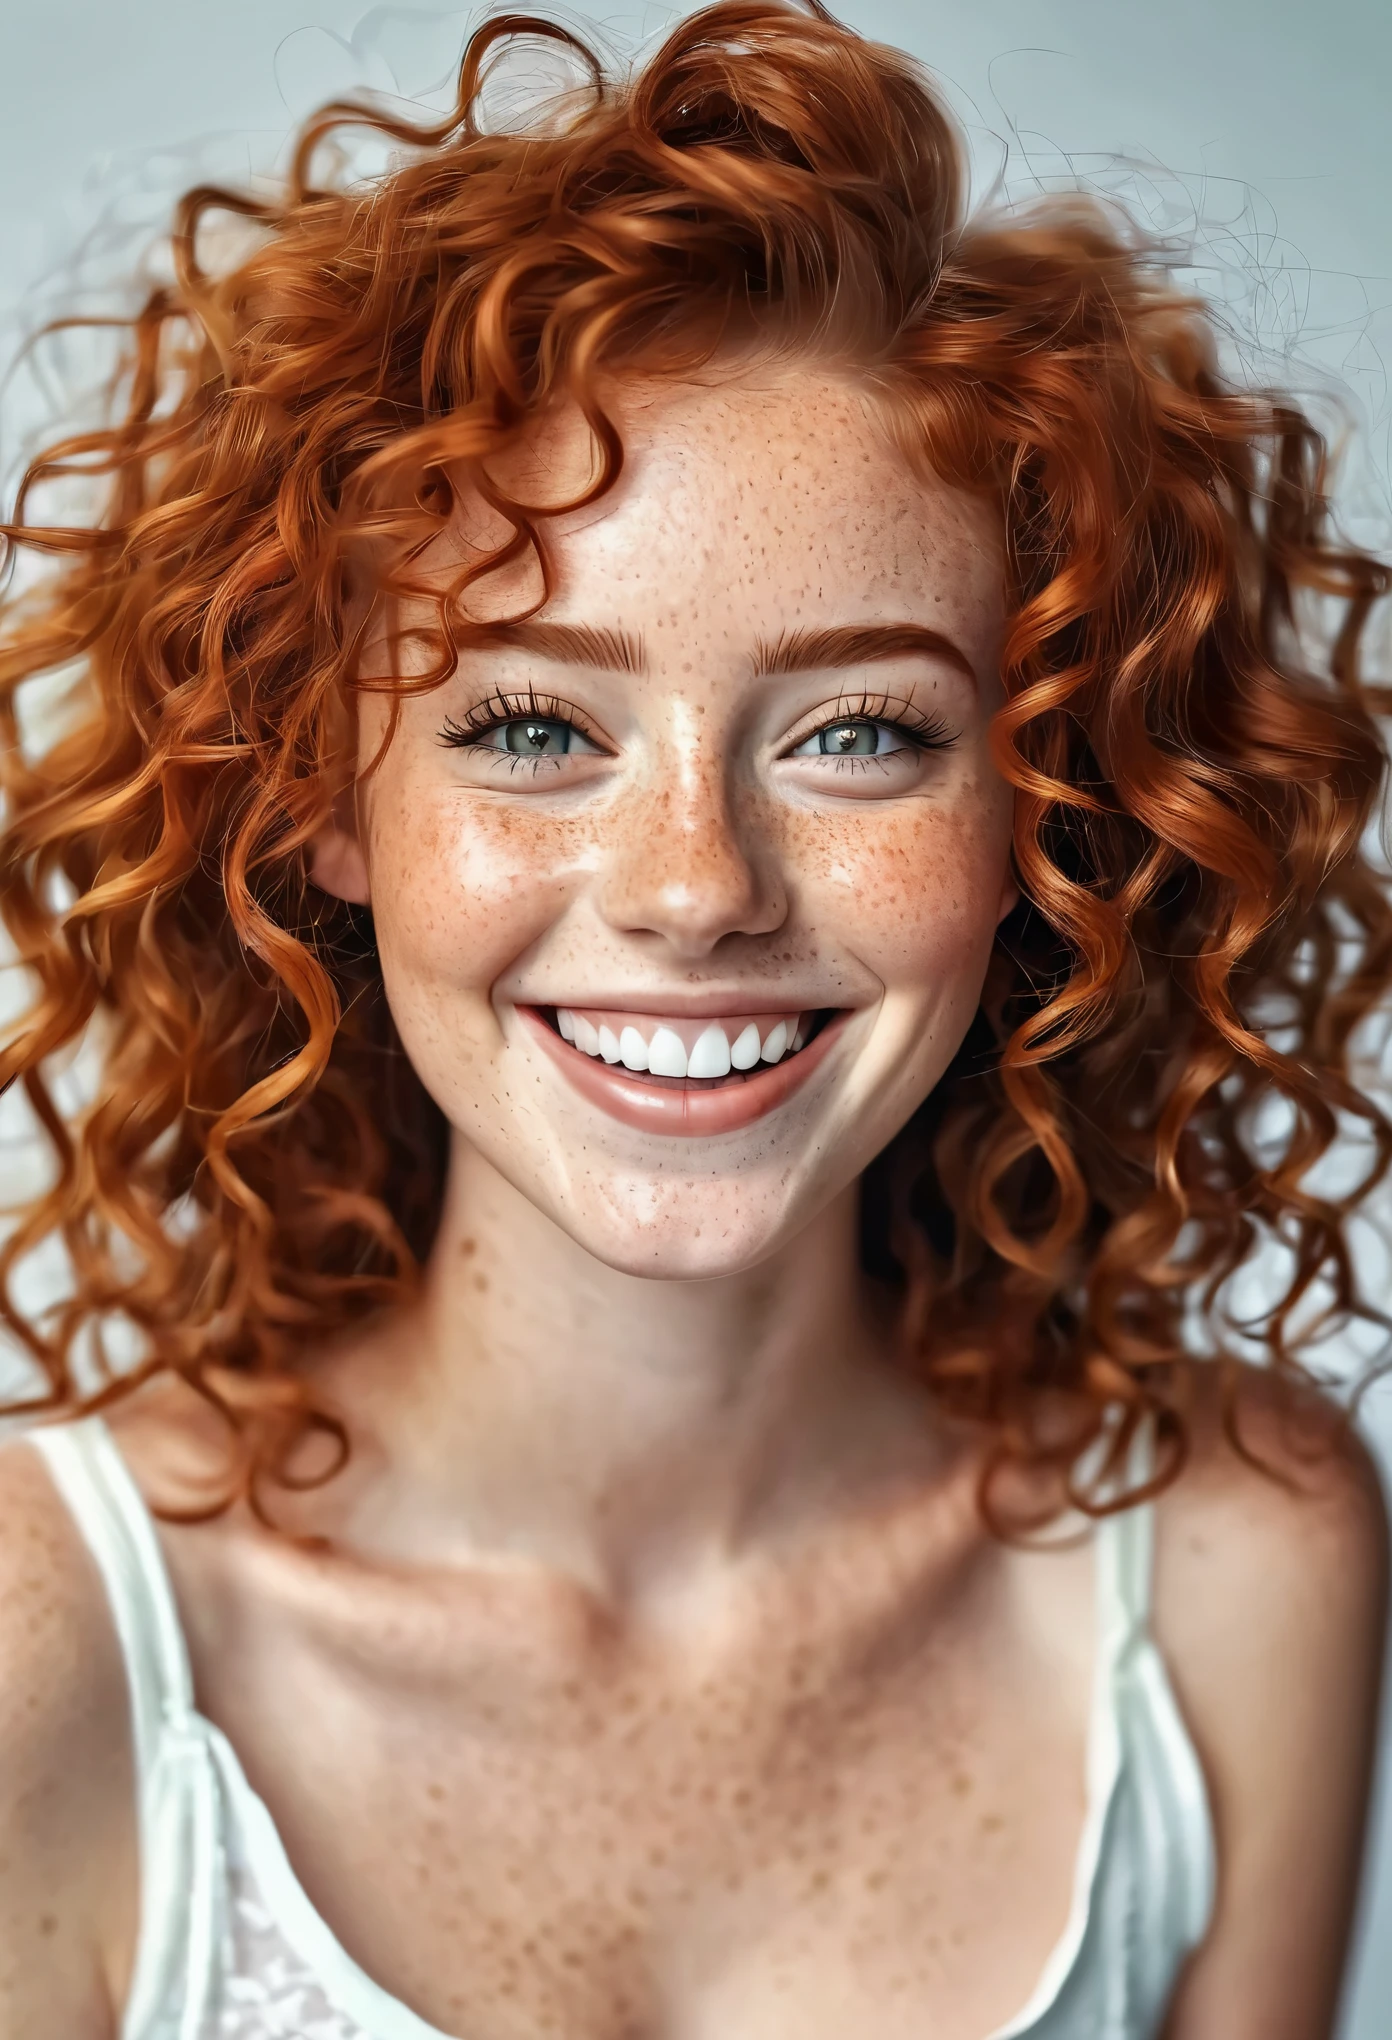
(704, 1055)
(665, 1074)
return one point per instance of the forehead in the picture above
(777, 492)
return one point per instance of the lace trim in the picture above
(268, 1992)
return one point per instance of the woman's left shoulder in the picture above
(1270, 1601)
(1275, 1532)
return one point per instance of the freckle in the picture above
(991, 1823)
(961, 1784)
(467, 1247)
(481, 1283)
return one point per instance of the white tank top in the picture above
(230, 1947)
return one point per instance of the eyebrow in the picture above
(805, 651)
(792, 651)
(572, 644)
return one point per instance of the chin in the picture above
(664, 1258)
(660, 1230)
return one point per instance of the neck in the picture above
(618, 1427)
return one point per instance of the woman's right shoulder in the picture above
(68, 1841)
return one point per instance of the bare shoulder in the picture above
(68, 1856)
(1270, 1607)
(1273, 1545)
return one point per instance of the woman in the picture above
(721, 894)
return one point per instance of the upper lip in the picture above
(685, 1005)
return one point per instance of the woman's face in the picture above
(724, 807)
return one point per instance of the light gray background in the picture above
(1258, 131)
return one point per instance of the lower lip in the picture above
(683, 1109)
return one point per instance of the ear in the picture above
(337, 865)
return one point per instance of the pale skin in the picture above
(656, 1675)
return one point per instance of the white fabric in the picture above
(231, 1949)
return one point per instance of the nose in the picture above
(683, 866)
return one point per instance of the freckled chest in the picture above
(824, 1820)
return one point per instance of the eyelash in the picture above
(922, 732)
(497, 709)
(892, 712)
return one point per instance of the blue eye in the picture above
(856, 737)
(532, 737)
(517, 730)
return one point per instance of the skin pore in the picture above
(649, 1673)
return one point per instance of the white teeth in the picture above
(745, 1052)
(633, 1050)
(666, 1055)
(776, 1043)
(711, 1055)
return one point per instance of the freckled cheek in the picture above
(460, 891)
(913, 891)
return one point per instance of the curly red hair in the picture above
(1200, 932)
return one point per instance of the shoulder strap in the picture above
(183, 1920)
(111, 1513)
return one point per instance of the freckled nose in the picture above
(681, 868)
